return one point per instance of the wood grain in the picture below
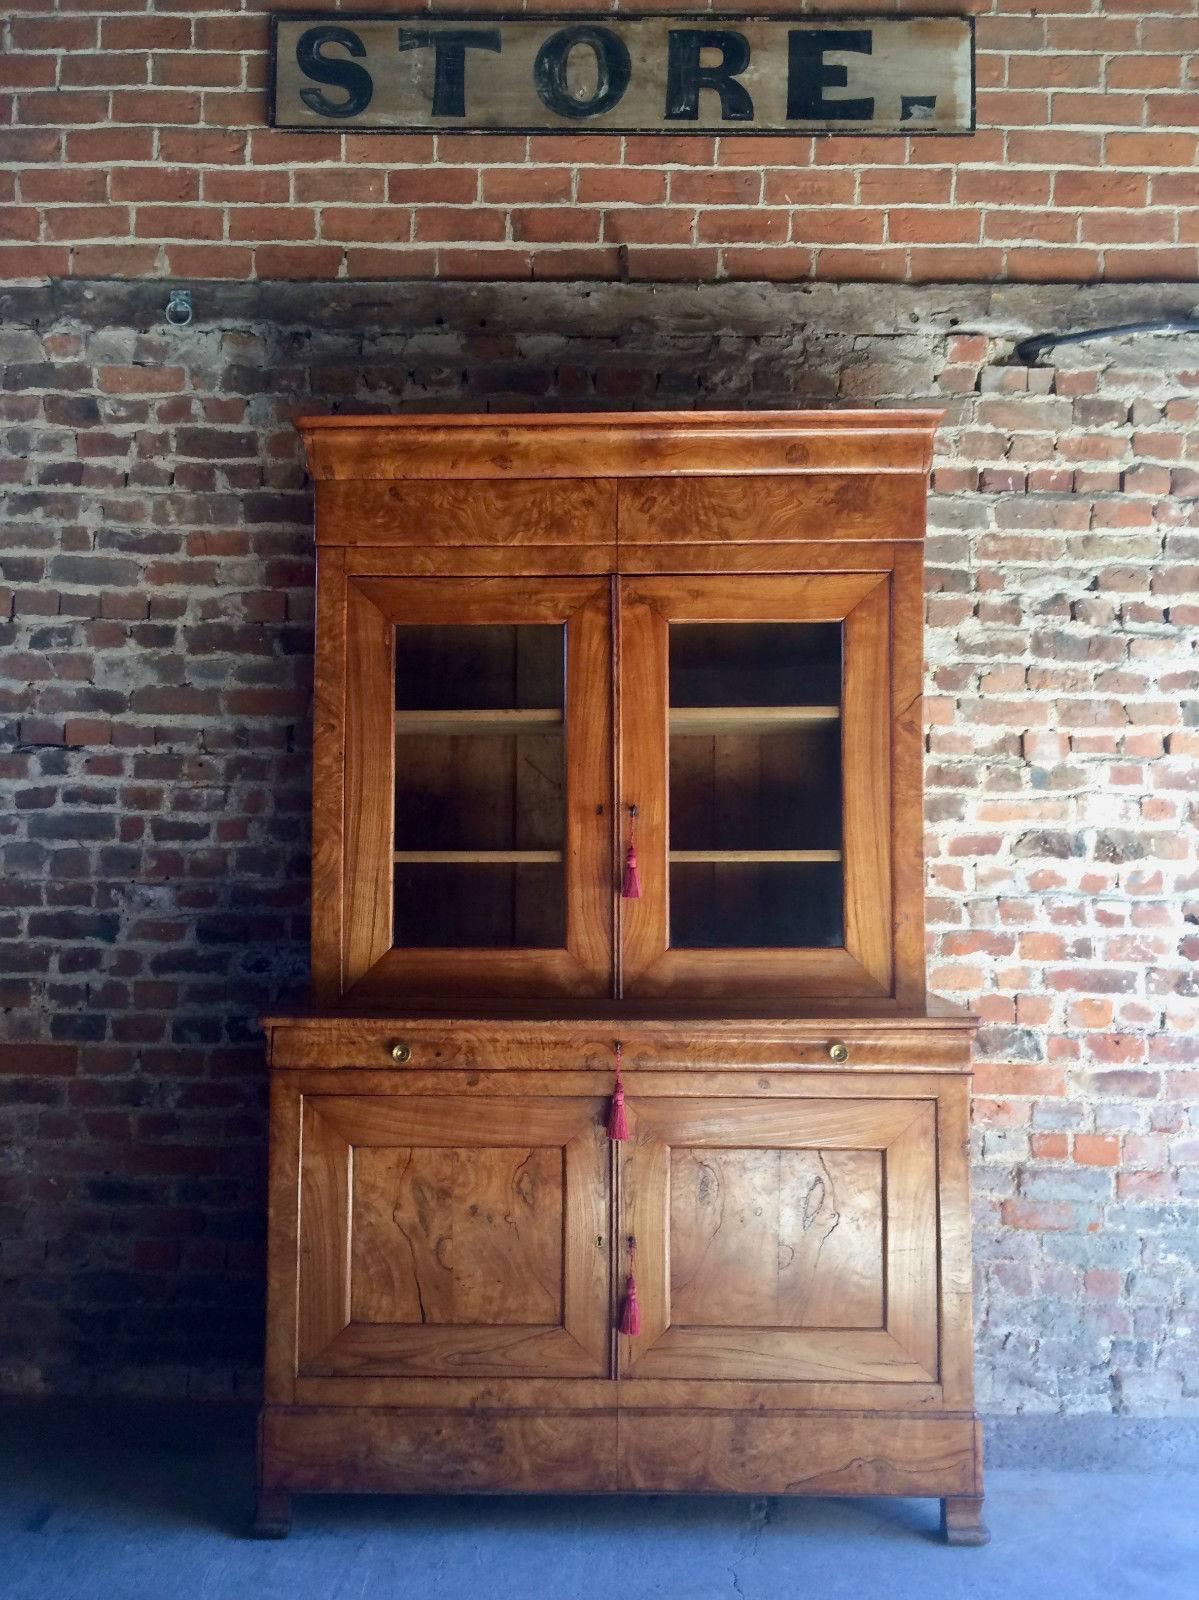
(733, 1205)
(736, 1045)
(369, 784)
(769, 556)
(651, 444)
(454, 1236)
(866, 796)
(355, 1450)
(283, 1240)
(776, 1238)
(328, 780)
(907, 773)
(732, 510)
(513, 513)
(457, 1236)
(826, 1455)
(479, 561)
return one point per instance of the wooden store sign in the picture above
(622, 74)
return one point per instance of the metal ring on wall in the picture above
(179, 308)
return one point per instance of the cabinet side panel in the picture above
(953, 1199)
(283, 1220)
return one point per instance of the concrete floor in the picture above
(123, 1518)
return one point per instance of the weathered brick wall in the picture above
(138, 147)
(154, 685)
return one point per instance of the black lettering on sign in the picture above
(449, 61)
(808, 75)
(613, 69)
(347, 75)
(685, 77)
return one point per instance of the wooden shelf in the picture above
(748, 719)
(423, 723)
(749, 858)
(467, 858)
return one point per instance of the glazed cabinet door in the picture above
(756, 782)
(782, 1238)
(462, 832)
(451, 1236)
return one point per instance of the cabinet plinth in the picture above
(617, 792)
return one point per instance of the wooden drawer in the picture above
(429, 1044)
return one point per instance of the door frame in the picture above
(904, 1350)
(861, 602)
(330, 1344)
(353, 814)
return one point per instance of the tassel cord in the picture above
(630, 888)
(618, 1121)
(630, 1316)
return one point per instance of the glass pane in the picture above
(755, 785)
(480, 787)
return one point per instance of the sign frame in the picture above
(599, 19)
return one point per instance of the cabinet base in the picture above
(359, 1449)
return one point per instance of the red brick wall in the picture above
(134, 144)
(155, 602)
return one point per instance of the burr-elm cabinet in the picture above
(620, 1147)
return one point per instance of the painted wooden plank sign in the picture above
(489, 73)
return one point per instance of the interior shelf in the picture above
(455, 858)
(755, 858)
(748, 719)
(424, 723)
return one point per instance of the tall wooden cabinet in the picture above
(617, 796)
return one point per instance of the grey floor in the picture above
(110, 1514)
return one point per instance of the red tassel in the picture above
(618, 1122)
(630, 889)
(630, 1317)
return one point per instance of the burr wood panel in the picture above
(829, 1455)
(443, 1235)
(842, 506)
(733, 1204)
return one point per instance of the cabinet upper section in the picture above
(545, 644)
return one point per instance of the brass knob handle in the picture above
(400, 1051)
(838, 1051)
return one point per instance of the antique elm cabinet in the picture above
(618, 770)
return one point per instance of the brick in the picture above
(516, 185)
(1096, 1150)
(436, 223)
(154, 183)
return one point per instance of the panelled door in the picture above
(788, 1238)
(477, 788)
(453, 1236)
(755, 778)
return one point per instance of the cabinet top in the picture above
(618, 444)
